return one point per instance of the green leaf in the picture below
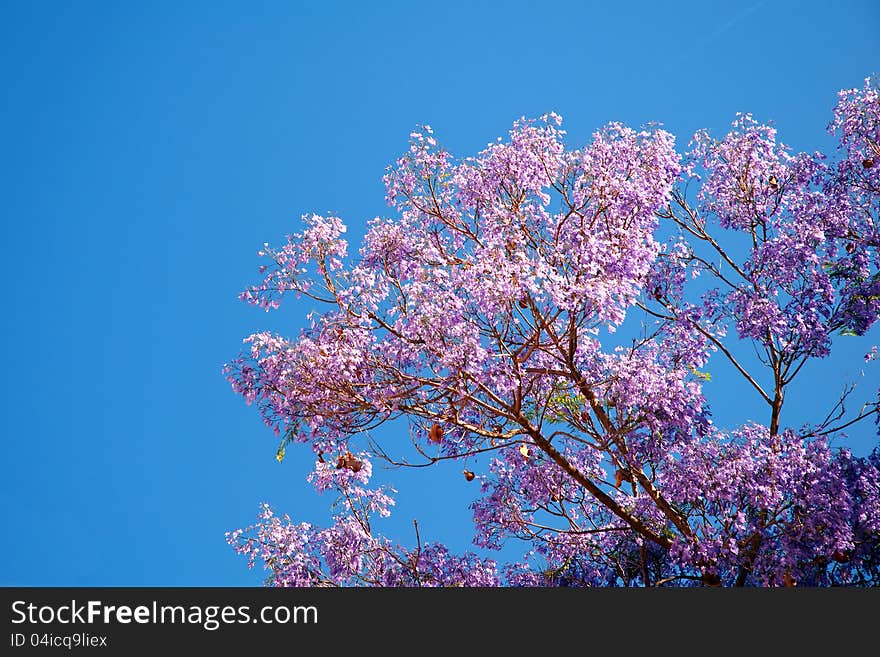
(705, 376)
(289, 435)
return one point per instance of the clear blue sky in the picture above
(149, 149)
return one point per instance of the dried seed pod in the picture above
(868, 163)
(850, 247)
(523, 303)
(349, 462)
(840, 556)
(622, 475)
(468, 475)
(773, 182)
(524, 450)
(435, 433)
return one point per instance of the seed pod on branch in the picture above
(435, 433)
(468, 475)
(349, 462)
(840, 556)
(622, 475)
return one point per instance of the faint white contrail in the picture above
(733, 21)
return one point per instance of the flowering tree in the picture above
(489, 316)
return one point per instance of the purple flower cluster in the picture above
(349, 553)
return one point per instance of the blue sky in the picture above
(149, 149)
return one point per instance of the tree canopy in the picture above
(549, 316)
